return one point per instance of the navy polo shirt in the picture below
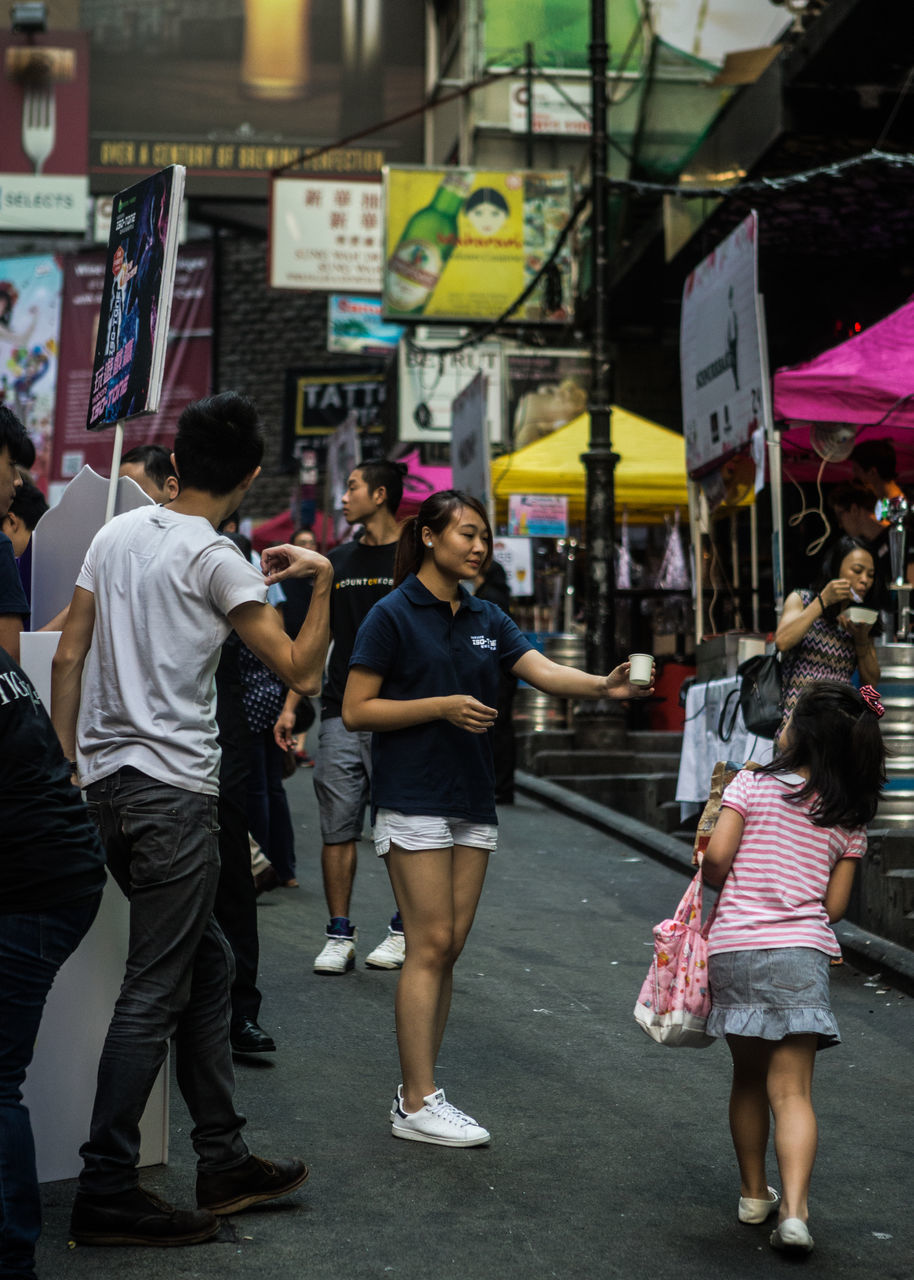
(422, 649)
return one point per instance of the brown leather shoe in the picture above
(138, 1217)
(250, 1183)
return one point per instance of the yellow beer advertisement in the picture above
(464, 244)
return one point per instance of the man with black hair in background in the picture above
(150, 466)
(363, 572)
(158, 593)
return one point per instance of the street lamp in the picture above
(600, 461)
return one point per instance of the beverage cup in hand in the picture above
(641, 666)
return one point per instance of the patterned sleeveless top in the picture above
(826, 652)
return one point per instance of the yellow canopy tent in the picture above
(650, 477)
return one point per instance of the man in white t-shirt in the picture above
(157, 595)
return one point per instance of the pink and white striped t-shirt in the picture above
(773, 896)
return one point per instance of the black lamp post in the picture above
(600, 461)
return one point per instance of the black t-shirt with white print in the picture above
(50, 851)
(362, 575)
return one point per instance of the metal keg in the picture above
(896, 688)
(539, 710)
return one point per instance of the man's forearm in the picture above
(309, 648)
(66, 687)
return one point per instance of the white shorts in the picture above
(418, 831)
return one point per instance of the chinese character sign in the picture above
(326, 234)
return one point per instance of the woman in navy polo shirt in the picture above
(423, 678)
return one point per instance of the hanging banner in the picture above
(188, 374)
(429, 383)
(325, 234)
(515, 555)
(469, 442)
(720, 351)
(463, 244)
(30, 302)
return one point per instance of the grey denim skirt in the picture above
(770, 994)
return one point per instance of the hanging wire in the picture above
(817, 544)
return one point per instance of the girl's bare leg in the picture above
(437, 891)
(749, 1115)
(796, 1132)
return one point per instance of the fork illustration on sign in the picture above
(38, 124)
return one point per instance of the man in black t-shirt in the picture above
(363, 572)
(52, 871)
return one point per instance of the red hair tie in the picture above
(871, 698)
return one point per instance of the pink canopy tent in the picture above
(867, 381)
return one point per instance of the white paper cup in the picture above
(642, 665)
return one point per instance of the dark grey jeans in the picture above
(162, 849)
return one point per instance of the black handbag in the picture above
(758, 697)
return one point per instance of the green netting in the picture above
(678, 110)
(559, 31)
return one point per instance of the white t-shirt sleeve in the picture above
(232, 581)
(86, 576)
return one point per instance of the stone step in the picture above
(655, 740)
(637, 794)
(612, 763)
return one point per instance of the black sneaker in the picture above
(138, 1217)
(250, 1183)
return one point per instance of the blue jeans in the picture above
(162, 849)
(33, 946)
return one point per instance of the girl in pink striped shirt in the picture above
(785, 849)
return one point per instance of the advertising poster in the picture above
(463, 244)
(355, 324)
(545, 391)
(325, 234)
(136, 299)
(720, 351)
(429, 383)
(44, 142)
(30, 302)
(188, 372)
(234, 89)
(533, 515)
(515, 555)
(320, 398)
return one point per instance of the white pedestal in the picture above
(60, 1086)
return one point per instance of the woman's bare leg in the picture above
(749, 1114)
(795, 1129)
(437, 891)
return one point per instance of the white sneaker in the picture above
(758, 1210)
(338, 955)
(388, 954)
(438, 1122)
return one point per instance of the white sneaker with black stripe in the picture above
(438, 1122)
(388, 954)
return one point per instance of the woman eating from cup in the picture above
(423, 678)
(826, 630)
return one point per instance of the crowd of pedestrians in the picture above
(177, 690)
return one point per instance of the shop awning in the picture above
(650, 478)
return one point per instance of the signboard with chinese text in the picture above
(562, 112)
(326, 234)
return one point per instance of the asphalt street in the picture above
(610, 1155)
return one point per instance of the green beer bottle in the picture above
(428, 240)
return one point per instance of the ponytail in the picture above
(409, 550)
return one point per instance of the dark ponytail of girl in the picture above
(409, 550)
